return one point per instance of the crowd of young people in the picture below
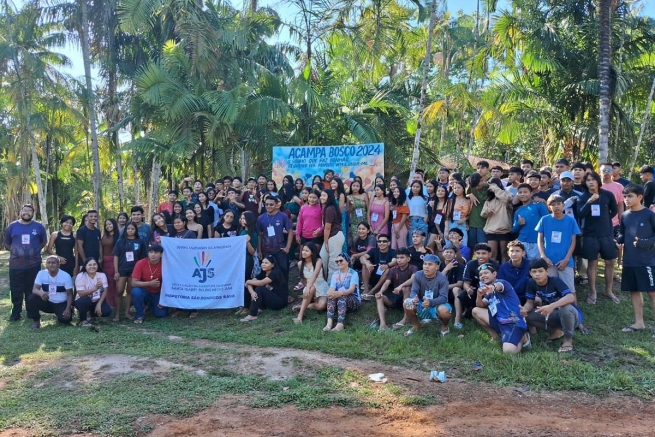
(503, 251)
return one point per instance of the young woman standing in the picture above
(333, 237)
(128, 250)
(378, 212)
(357, 208)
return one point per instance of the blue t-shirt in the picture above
(531, 213)
(343, 281)
(517, 276)
(280, 227)
(25, 241)
(557, 236)
(504, 306)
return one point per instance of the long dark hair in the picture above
(116, 230)
(420, 184)
(449, 207)
(361, 185)
(124, 234)
(402, 197)
(287, 193)
(340, 187)
(250, 221)
(314, 249)
(330, 202)
(490, 194)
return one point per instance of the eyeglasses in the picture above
(339, 261)
(607, 170)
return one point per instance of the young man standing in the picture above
(516, 271)
(616, 174)
(443, 175)
(596, 209)
(526, 218)
(275, 235)
(646, 176)
(168, 206)
(466, 299)
(527, 166)
(544, 184)
(24, 239)
(483, 170)
(578, 170)
(428, 298)
(497, 172)
(187, 193)
(514, 180)
(146, 284)
(136, 215)
(637, 235)
(556, 241)
(561, 165)
(52, 293)
(396, 288)
(498, 311)
(558, 314)
(89, 237)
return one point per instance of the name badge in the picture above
(429, 294)
(52, 288)
(395, 214)
(556, 237)
(359, 212)
(437, 219)
(25, 239)
(96, 295)
(595, 210)
(374, 217)
(271, 231)
(492, 307)
(457, 215)
(129, 256)
(379, 271)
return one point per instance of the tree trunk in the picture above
(137, 189)
(154, 187)
(604, 61)
(119, 171)
(644, 126)
(86, 56)
(427, 61)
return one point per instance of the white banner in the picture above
(203, 274)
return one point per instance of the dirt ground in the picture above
(461, 408)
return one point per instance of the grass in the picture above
(49, 399)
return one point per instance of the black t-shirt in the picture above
(455, 274)
(232, 232)
(649, 193)
(416, 257)
(554, 290)
(544, 194)
(471, 271)
(376, 257)
(90, 241)
(640, 224)
(278, 284)
(361, 245)
(596, 217)
(128, 253)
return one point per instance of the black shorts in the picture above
(616, 231)
(594, 246)
(466, 300)
(396, 299)
(499, 237)
(640, 278)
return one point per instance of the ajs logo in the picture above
(202, 272)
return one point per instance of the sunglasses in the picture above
(607, 170)
(486, 267)
(383, 241)
(339, 261)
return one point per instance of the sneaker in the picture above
(35, 325)
(13, 318)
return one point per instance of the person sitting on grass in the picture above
(91, 286)
(558, 314)
(454, 271)
(465, 300)
(375, 264)
(428, 298)
(316, 287)
(498, 311)
(146, 284)
(455, 236)
(268, 290)
(343, 294)
(637, 234)
(52, 293)
(396, 288)
(516, 271)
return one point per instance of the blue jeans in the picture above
(142, 297)
(416, 224)
(476, 235)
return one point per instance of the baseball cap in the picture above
(566, 174)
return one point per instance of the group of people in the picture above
(501, 250)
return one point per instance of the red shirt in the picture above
(166, 206)
(146, 272)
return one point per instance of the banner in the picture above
(203, 274)
(363, 160)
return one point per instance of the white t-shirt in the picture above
(55, 286)
(84, 283)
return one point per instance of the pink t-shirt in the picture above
(616, 189)
(310, 218)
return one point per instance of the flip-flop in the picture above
(565, 349)
(398, 325)
(583, 280)
(632, 329)
(138, 321)
(299, 286)
(613, 298)
(193, 314)
(591, 301)
(444, 333)
(366, 297)
(408, 332)
(296, 307)
(296, 321)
